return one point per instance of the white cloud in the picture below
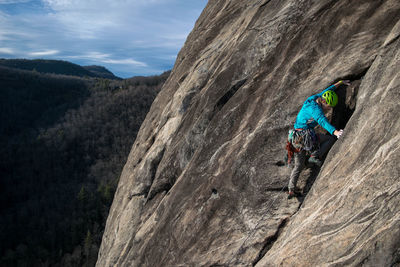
(60, 5)
(7, 50)
(98, 57)
(14, 34)
(14, 28)
(92, 19)
(86, 20)
(5, 2)
(128, 61)
(92, 56)
(136, 36)
(44, 53)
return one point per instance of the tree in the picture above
(87, 245)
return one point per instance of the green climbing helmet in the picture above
(330, 97)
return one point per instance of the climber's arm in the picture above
(345, 82)
(320, 118)
(323, 121)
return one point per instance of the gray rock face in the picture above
(204, 183)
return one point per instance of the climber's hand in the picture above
(338, 133)
(346, 82)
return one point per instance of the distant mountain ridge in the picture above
(58, 67)
(101, 71)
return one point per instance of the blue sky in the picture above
(129, 37)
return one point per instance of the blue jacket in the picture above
(311, 114)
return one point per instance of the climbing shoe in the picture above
(315, 160)
(292, 194)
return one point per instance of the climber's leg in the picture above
(299, 160)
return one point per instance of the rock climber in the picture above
(303, 140)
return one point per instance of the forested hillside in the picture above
(58, 67)
(100, 71)
(63, 143)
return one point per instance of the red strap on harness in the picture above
(291, 150)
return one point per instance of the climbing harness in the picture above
(301, 139)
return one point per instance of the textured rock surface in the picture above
(204, 183)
